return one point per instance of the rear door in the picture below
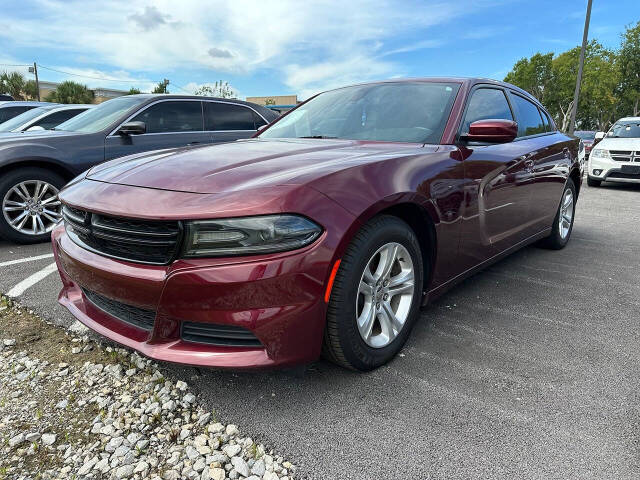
(226, 121)
(169, 123)
(549, 152)
(500, 182)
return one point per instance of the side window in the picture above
(527, 116)
(548, 121)
(55, 119)
(258, 120)
(172, 116)
(486, 103)
(227, 116)
(545, 121)
(10, 112)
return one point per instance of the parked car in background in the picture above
(13, 108)
(616, 157)
(41, 118)
(325, 233)
(34, 167)
(5, 98)
(587, 137)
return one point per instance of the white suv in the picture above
(616, 157)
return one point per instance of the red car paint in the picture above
(473, 205)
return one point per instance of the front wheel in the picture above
(376, 295)
(30, 205)
(563, 223)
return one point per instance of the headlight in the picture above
(601, 153)
(249, 235)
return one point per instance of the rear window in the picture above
(527, 116)
(227, 116)
(8, 113)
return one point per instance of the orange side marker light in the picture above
(332, 277)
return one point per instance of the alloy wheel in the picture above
(32, 207)
(566, 214)
(385, 295)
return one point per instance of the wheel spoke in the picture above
(18, 192)
(22, 216)
(366, 320)
(365, 288)
(50, 201)
(395, 321)
(386, 324)
(40, 227)
(25, 190)
(387, 260)
(44, 189)
(13, 209)
(566, 218)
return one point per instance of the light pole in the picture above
(34, 70)
(576, 94)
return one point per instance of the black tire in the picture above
(343, 343)
(592, 182)
(7, 182)
(555, 241)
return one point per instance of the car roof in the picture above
(17, 103)
(469, 81)
(629, 119)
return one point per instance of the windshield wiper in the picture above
(317, 136)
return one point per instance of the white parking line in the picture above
(31, 280)
(26, 259)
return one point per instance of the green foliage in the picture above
(133, 91)
(610, 85)
(219, 89)
(15, 85)
(269, 101)
(70, 92)
(161, 88)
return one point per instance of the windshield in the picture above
(625, 129)
(584, 135)
(390, 112)
(100, 117)
(21, 119)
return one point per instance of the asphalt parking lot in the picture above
(527, 370)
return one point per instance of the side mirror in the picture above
(599, 136)
(491, 131)
(261, 127)
(35, 128)
(132, 128)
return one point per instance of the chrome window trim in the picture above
(136, 113)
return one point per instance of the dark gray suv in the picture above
(35, 165)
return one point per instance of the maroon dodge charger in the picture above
(324, 234)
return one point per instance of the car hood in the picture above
(246, 164)
(34, 136)
(619, 144)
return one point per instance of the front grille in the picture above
(138, 317)
(625, 155)
(142, 241)
(222, 335)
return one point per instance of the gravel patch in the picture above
(73, 408)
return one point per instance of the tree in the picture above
(161, 87)
(629, 61)
(70, 92)
(219, 89)
(31, 89)
(12, 83)
(533, 75)
(269, 101)
(133, 91)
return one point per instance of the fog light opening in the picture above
(597, 172)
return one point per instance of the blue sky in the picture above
(291, 47)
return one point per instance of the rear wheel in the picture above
(376, 295)
(30, 205)
(563, 223)
(592, 182)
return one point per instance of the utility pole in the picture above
(165, 82)
(34, 70)
(576, 95)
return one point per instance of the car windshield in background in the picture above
(100, 117)
(21, 119)
(625, 130)
(585, 135)
(389, 112)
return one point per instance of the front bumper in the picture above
(605, 169)
(278, 298)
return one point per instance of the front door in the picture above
(499, 183)
(227, 122)
(169, 124)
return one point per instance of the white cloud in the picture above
(312, 45)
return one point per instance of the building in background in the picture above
(280, 103)
(100, 94)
